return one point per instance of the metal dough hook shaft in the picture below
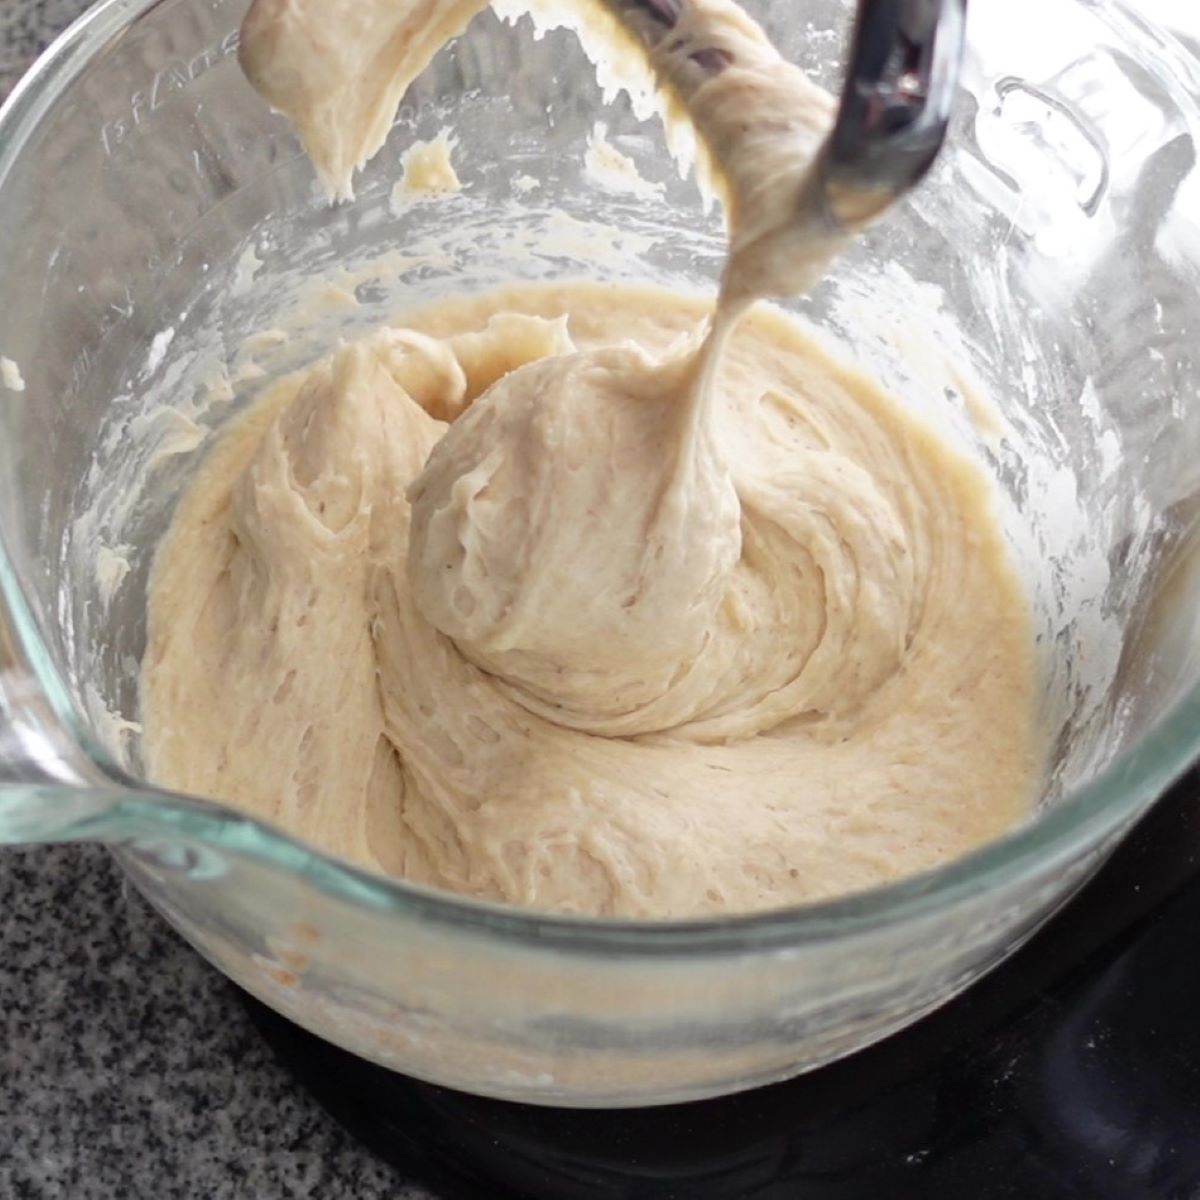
(895, 107)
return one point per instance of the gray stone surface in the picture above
(127, 1066)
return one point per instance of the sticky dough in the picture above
(576, 598)
(861, 710)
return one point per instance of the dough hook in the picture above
(895, 104)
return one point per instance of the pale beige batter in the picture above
(861, 710)
(664, 623)
(339, 69)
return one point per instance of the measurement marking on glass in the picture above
(174, 77)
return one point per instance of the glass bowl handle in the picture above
(49, 789)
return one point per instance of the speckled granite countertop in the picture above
(127, 1066)
(129, 1070)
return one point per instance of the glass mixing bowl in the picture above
(1039, 298)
